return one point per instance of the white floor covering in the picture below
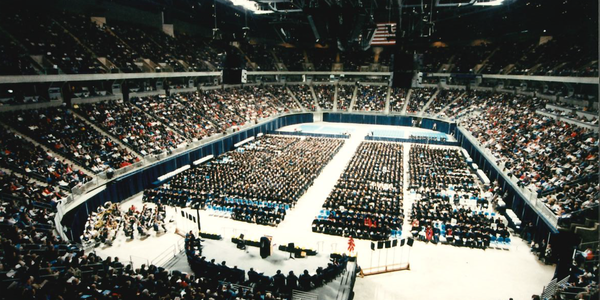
(436, 271)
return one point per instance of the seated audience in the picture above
(366, 202)
(371, 98)
(66, 134)
(256, 183)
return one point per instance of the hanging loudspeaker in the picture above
(410, 242)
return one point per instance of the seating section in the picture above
(582, 280)
(449, 205)
(434, 58)
(556, 160)
(22, 156)
(468, 57)
(397, 99)
(366, 202)
(102, 42)
(75, 45)
(570, 114)
(345, 93)
(471, 101)
(257, 183)
(325, 96)
(371, 98)
(19, 191)
(241, 106)
(43, 36)
(12, 59)
(175, 113)
(304, 96)
(507, 54)
(132, 126)
(444, 97)
(322, 59)
(292, 58)
(418, 99)
(279, 94)
(261, 55)
(63, 132)
(144, 41)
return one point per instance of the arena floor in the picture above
(436, 271)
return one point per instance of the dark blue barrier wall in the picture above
(368, 119)
(133, 183)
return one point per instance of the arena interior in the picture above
(291, 149)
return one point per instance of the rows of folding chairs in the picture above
(253, 202)
(500, 242)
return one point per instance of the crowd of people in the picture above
(371, 98)
(571, 115)
(103, 225)
(220, 281)
(240, 106)
(418, 99)
(556, 160)
(20, 155)
(256, 183)
(397, 99)
(64, 133)
(344, 97)
(450, 206)
(366, 202)
(469, 102)
(132, 126)
(443, 98)
(174, 112)
(583, 277)
(325, 96)
(304, 96)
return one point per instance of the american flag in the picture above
(385, 34)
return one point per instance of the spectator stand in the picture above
(346, 93)
(442, 100)
(419, 98)
(304, 95)
(560, 118)
(398, 100)
(38, 104)
(326, 95)
(371, 98)
(524, 195)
